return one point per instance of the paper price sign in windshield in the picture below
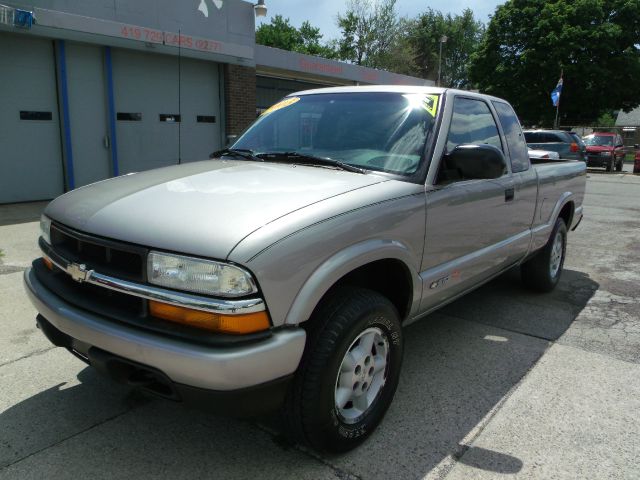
(282, 104)
(430, 104)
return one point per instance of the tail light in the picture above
(574, 147)
(545, 156)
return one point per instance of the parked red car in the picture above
(605, 149)
(636, 163)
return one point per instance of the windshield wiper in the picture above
(236, 152)
(304, 159)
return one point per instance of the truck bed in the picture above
(557, 182)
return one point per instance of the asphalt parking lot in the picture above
(501, 383)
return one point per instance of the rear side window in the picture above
(567, 138)
(515, 138)
(546, 137)
(531, 137)
(472, 122)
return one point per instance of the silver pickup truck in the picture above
(280, 273)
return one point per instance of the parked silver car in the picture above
(281, 273)
(567, 144)
(542, 155)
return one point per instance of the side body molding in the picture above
(346, 261)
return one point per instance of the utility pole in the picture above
(443, 39)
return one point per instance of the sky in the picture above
(322, 13)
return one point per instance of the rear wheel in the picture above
(542, 272)
(349, 371)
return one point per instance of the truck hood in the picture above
(599, 148)
(202, 208)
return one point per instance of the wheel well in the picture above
(567, 214)
(388, 277)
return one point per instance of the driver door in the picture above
(466, 219)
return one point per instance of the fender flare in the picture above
(565, 198)
(346, 261)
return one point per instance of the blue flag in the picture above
(555, 95)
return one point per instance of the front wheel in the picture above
(542, 272)
(619, 165)
(610, 165)
(349, 371)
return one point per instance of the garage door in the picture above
(149, 113)
(30, 153)
(200, 90)
(88, 113)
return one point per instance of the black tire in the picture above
(619, 165)
(537, 272)
(310, 414)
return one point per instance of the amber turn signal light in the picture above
(234, 324)
(48, 263)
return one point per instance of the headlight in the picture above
(45, 228)
(199, 276)
(606, 154)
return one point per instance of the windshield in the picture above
(372, 130)
(599, 140)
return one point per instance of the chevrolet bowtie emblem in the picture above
(79, 272)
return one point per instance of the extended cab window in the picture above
(515, 139)
(472, 122)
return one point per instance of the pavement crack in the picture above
(9, 269)
(32, 354)
(337, 471)
(102, 422)
(500, 328)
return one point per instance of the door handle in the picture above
(509, 194)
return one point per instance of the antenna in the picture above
(179, 96)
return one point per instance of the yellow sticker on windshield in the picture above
(430, 104)
(284, 103)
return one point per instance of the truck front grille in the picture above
(102, 301)
(123, 261)
(118, 259)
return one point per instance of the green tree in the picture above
(528, 42)
(371, 34)
(605, 120)
(279, 33)
(464, 34)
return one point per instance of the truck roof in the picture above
(393, 89)
(374, 88)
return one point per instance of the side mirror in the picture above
(471, 162)
(636, 146)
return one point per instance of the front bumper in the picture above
(182, 362)
(599, 161)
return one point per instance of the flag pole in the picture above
(559, 98)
